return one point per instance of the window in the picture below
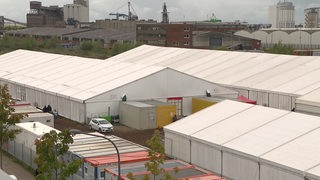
(186, 29)
(186, 36)
(139, 27)
(102, 174)
(177, 101)
(186, 43)
(175, 44)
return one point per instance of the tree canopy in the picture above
(7, 118)
(156, 153)
(51, 149)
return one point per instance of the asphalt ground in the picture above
(13, 167)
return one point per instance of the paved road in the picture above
(13, 168)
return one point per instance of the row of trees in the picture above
(52, 147)
(91, 49)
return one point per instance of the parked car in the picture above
(100, 125)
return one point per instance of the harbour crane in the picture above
(130, 16)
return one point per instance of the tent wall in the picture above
(177, 146)
(78, 112)
(243, 92)
(64, 105)
(260, 97)
(96, 109)
(269, 172)
(161, 85)
(308, 109)
(280, 101)
(239, 167)
(206, 156)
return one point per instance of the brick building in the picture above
(204, 35)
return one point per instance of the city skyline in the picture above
(251, 11)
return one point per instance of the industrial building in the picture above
(312, 17)
(202, 35)
(78, 11)
(281, 15)
(82, 88)
(248, 142)
(297, 38)
(39, 15)
(72, 37)
(271, 80)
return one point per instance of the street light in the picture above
(76, 131)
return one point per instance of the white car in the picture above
(101, 125)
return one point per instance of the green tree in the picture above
(118, 48)
(280, 49)
(7, 119)
(50, 149)
(157, 156)
(86, 46)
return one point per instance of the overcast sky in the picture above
(252, 11)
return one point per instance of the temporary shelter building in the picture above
(32, 131)
(23, 146)
(94, 166)
(139, 170)
(87, 147)
(269, 79)
(146, 114)
(33, 114)
(82, 88)
(247, 142)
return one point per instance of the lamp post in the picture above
(76, 131)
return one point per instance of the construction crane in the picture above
(130, 16)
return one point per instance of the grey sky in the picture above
(252, 11)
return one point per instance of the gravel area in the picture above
(133, 135)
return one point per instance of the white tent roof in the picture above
(297, 75)
(74, 77)
(282, 138)
(312, 98)
(36, 128)
(300, 154)
(198, 121)
(86, 145)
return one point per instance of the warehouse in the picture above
(82, 88)
(248, 142)
(271, 80)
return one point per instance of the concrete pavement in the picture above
(13, 168)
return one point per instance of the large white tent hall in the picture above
(272, 80)
(248, 142)
(80, 88)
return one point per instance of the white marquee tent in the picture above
(80, 88)
(247, 142)
(270, 79)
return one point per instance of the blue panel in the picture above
(95, 173)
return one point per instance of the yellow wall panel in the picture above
(199, 104)
(165, 115)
